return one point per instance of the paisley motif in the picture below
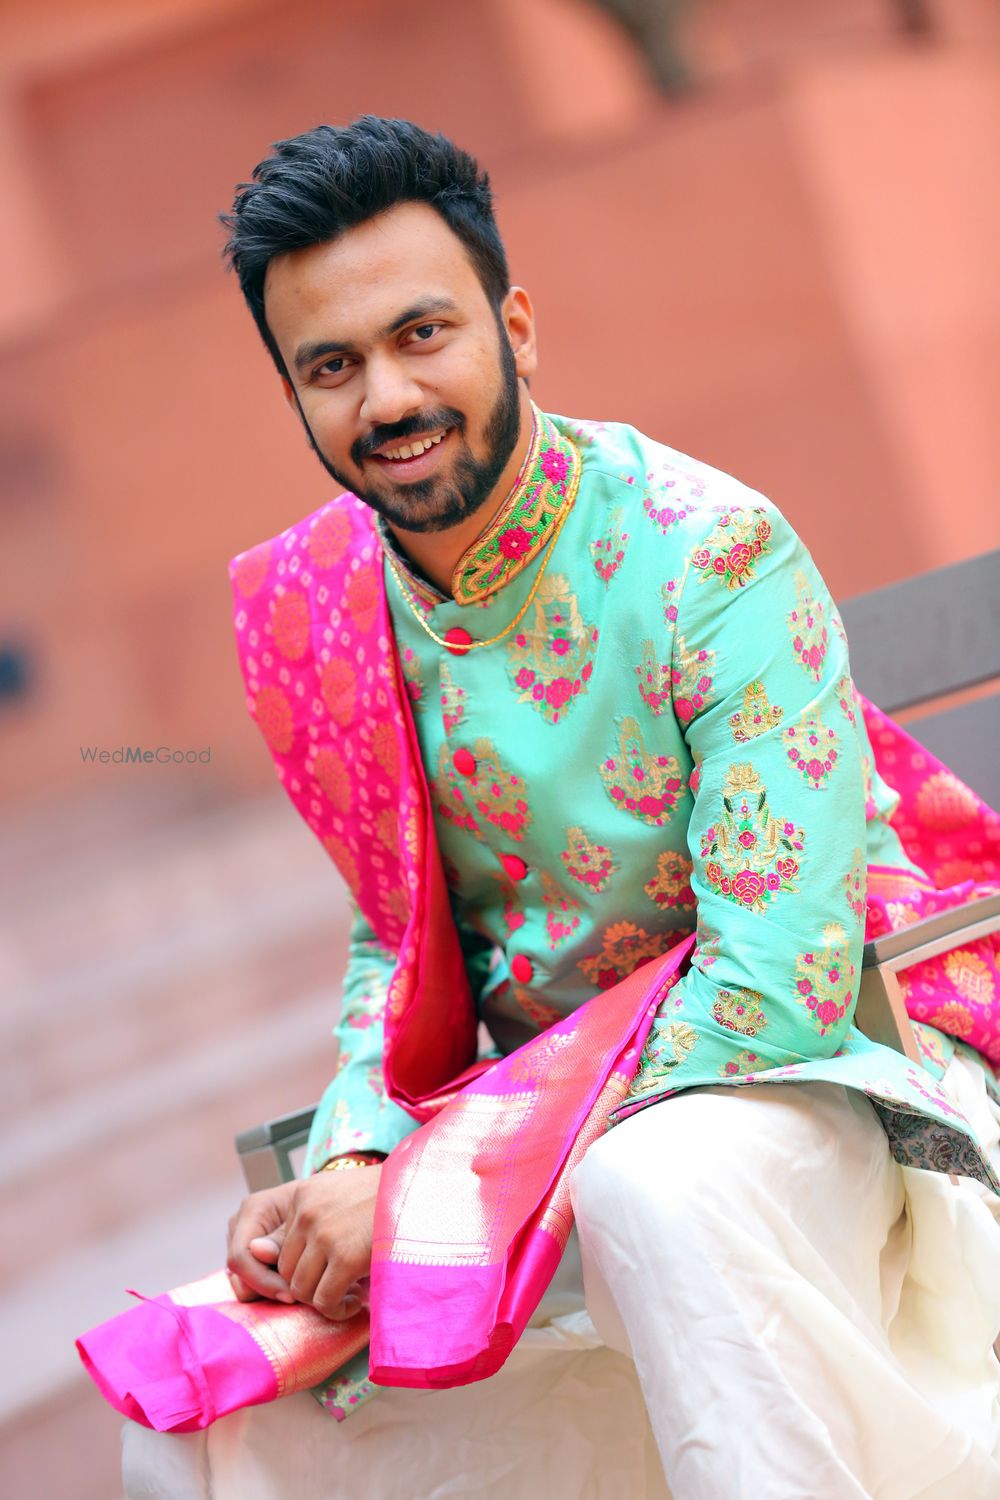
(550, 660)
(647, 786)
(740, 1011)
(825, 980)
(608, 551)
(757, 715)
(273, 713)
(452, 700)
(855, 886)
(812, 749)
(750, 855)
(587, 863)
(670, 887)
(562, 913)
(490, 792)
(666, 1047)
(626, 946)
(807, 628)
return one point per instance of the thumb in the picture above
(267, 1247)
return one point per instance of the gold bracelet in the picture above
(342, 1163)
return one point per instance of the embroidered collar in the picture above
(545, 486)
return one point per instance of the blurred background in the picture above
(765, 231)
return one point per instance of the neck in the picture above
(436, 553)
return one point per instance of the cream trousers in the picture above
(800, 1318)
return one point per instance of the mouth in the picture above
(414, 459)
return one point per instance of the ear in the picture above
(518, 317)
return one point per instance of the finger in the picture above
(309, 1271)
(243, 1292)
(267, 1247)
(260, 1278)
(335, 1300)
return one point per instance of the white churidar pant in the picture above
(807, 1321)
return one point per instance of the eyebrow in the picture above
(306, 353)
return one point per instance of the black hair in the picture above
(332, 178)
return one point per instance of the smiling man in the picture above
(554, 697)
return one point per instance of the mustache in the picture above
(398, 432)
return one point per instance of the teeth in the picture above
(414, 450)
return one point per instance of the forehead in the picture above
(364, 277)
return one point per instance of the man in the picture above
(632, 708)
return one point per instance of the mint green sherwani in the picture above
(666, 741)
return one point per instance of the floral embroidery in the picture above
(608, 550)
(387, 830)
(589, 864)
(825, 980)
(709, 948)
(741, 1011)
(666, 517)
(452, 700)
(666, 1047)
(545, 487)
(731, 551)
(846, 699)
(944, 803)
(670, 593)
(536, 1010)
(562, 912)
(654, 679)
(757, 715)
(743, 1065)
(334, 779)
(855, 883)
(868, 783)
(513, 915)
(807, 627)
(626, 946)
(812, 748)
(412, 676)
(491, 792)
(273, 713)
(970, 975)
(691, 680)
(670, 887)
(647, 786)
(743, 851)
(550, 661)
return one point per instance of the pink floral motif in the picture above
(731, 552)
(749, 854)
(515, 541)
(824, 983)
(555, 465)
(807, 627)
(608, 551)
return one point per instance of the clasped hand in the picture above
(308, 1241)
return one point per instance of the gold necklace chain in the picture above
(476, 645)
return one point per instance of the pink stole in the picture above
(474, 1208)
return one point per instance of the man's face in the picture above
(391, 345)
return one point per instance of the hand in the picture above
(319, 1232)
(261, 1215)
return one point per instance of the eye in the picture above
(426, 331)
(331, 366)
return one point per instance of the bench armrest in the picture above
(934, 935)
(266, 1151)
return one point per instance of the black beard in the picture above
(435, 504)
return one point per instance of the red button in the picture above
(464, 762)
(457, 640)
(522, 968)
(514, 865)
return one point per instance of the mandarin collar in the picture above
(545, 486)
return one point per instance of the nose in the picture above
(391, 393)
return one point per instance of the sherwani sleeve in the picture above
(355, 1112)
(777, 831)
